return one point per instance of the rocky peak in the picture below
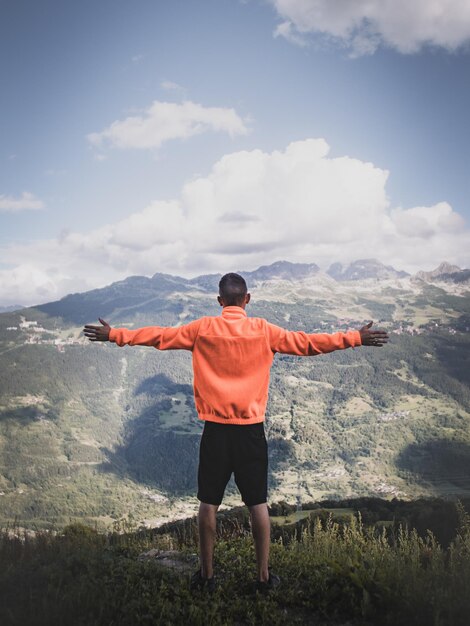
(442, 269)
(363, 269)
(281, 270)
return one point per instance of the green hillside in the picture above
(92, 432)
(335, 569)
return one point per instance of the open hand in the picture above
(97, 333)
(376, 338)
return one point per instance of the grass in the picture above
(332, 573)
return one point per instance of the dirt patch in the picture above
(171, 559)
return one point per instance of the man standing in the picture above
(232, 357)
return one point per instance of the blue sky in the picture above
(215, 135)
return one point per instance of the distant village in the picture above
(34, 334)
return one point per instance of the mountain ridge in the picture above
(162, 284)
(363, 269)
(446, 273)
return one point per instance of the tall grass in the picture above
(331, 573)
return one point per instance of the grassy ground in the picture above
(331, 574)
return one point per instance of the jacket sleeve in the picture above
(160, 337)
(304, 344)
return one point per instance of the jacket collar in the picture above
(233, 312)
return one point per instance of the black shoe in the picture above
(198, 583)
(272, 583)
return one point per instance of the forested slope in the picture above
(94, 431)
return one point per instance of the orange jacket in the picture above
(232, 357)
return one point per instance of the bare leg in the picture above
(207, 527)
(261, 528)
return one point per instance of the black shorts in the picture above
(227, 448)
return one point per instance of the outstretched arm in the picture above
(308, 344)
(160, 337)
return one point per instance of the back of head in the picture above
(233, 289)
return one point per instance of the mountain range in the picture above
(92, 431)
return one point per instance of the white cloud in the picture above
(289, 32)
(363, 25)
(427, 222)
(251, 209)
(164, 121)
(30, 284)
(26, 202)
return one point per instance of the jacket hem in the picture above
(239, 421)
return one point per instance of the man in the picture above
(232, 357)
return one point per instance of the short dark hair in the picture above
(233, 289)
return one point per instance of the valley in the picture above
(97, 433)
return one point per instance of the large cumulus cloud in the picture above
(252, 208)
